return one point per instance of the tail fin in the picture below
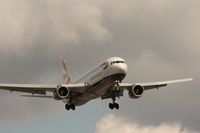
(64, 70)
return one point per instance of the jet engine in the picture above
(61, 93)
(136, 91)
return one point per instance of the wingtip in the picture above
(190, 79)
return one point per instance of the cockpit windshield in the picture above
(116, 62)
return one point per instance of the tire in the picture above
(67, 107)
(116, 106)
(111, 106)
(73, 107)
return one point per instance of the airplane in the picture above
(104, 81)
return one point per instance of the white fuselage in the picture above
(101, 78)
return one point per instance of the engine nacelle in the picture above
(136, 91)
(61, 93)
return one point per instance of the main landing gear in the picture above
(114, 104)
(114, 95)
(71, 106)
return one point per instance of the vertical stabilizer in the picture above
(64, 70)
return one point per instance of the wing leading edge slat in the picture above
(154, 85)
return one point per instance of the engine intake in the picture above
(136, 91)
(61, 92)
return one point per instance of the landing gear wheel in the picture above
(73, 107)
(68, 107)
(111, 106)
(116, 105)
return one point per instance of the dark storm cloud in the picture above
(158, 39)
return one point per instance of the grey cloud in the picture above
(114, 124)
(59, 22)
(19, 109)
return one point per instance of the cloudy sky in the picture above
(159, 39)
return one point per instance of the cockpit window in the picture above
(116, 62)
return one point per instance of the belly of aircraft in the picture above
(94, 92)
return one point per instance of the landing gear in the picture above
(117, 85)
(114, 104)
(71, 106)
(115, 94)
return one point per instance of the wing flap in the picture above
(41, 88)
(109, 95)
(37, 96)
(158, 84)
(29, 88)
(79, 87)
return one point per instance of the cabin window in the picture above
(104, 65)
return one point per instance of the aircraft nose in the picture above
(122, 68)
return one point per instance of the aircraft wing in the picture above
(40, 88)
(153, 85)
